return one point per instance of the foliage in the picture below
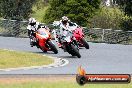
(78, 11)
(126, 24)
(126, 5)
(40, 4)
(39, 13)
(16, 9)
(107, 18)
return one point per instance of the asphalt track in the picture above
(99, 59)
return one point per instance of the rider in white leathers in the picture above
(32, 25)
(63, 25)
(32, 28)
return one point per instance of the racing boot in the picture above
(31, 42)
(64, 48)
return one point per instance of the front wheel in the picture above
(52, 46)
(86, 45)
(75, 51)
(43, 50)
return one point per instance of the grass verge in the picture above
(14, 59)
(54, 82)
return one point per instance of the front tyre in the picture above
(75, 51)
(84, 42)
(52, 46)
(43, 50)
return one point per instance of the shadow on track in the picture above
(68, 57)
(44, 52)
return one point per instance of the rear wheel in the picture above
(75, 51)
(52, 46)
(86, 45)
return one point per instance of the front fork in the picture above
(47, 44)
(76, 43)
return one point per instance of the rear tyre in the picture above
(52, 46)
(86, 45)
(75, 51)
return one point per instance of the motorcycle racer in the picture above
(32, 27)
(63, 32)
(64, 25)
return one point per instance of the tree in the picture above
(16, 9)
(78, 11)
(126, 5)
(108, 17)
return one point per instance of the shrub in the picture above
(107, 18)
(126, 24)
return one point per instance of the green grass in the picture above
(13, 59)
(62, 84)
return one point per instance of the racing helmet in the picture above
(32, 21)
(64, 19)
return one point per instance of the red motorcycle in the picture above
(79, 35)
(43, 40)
(69, 44)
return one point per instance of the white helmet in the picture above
(32, 21)
(64, 19)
